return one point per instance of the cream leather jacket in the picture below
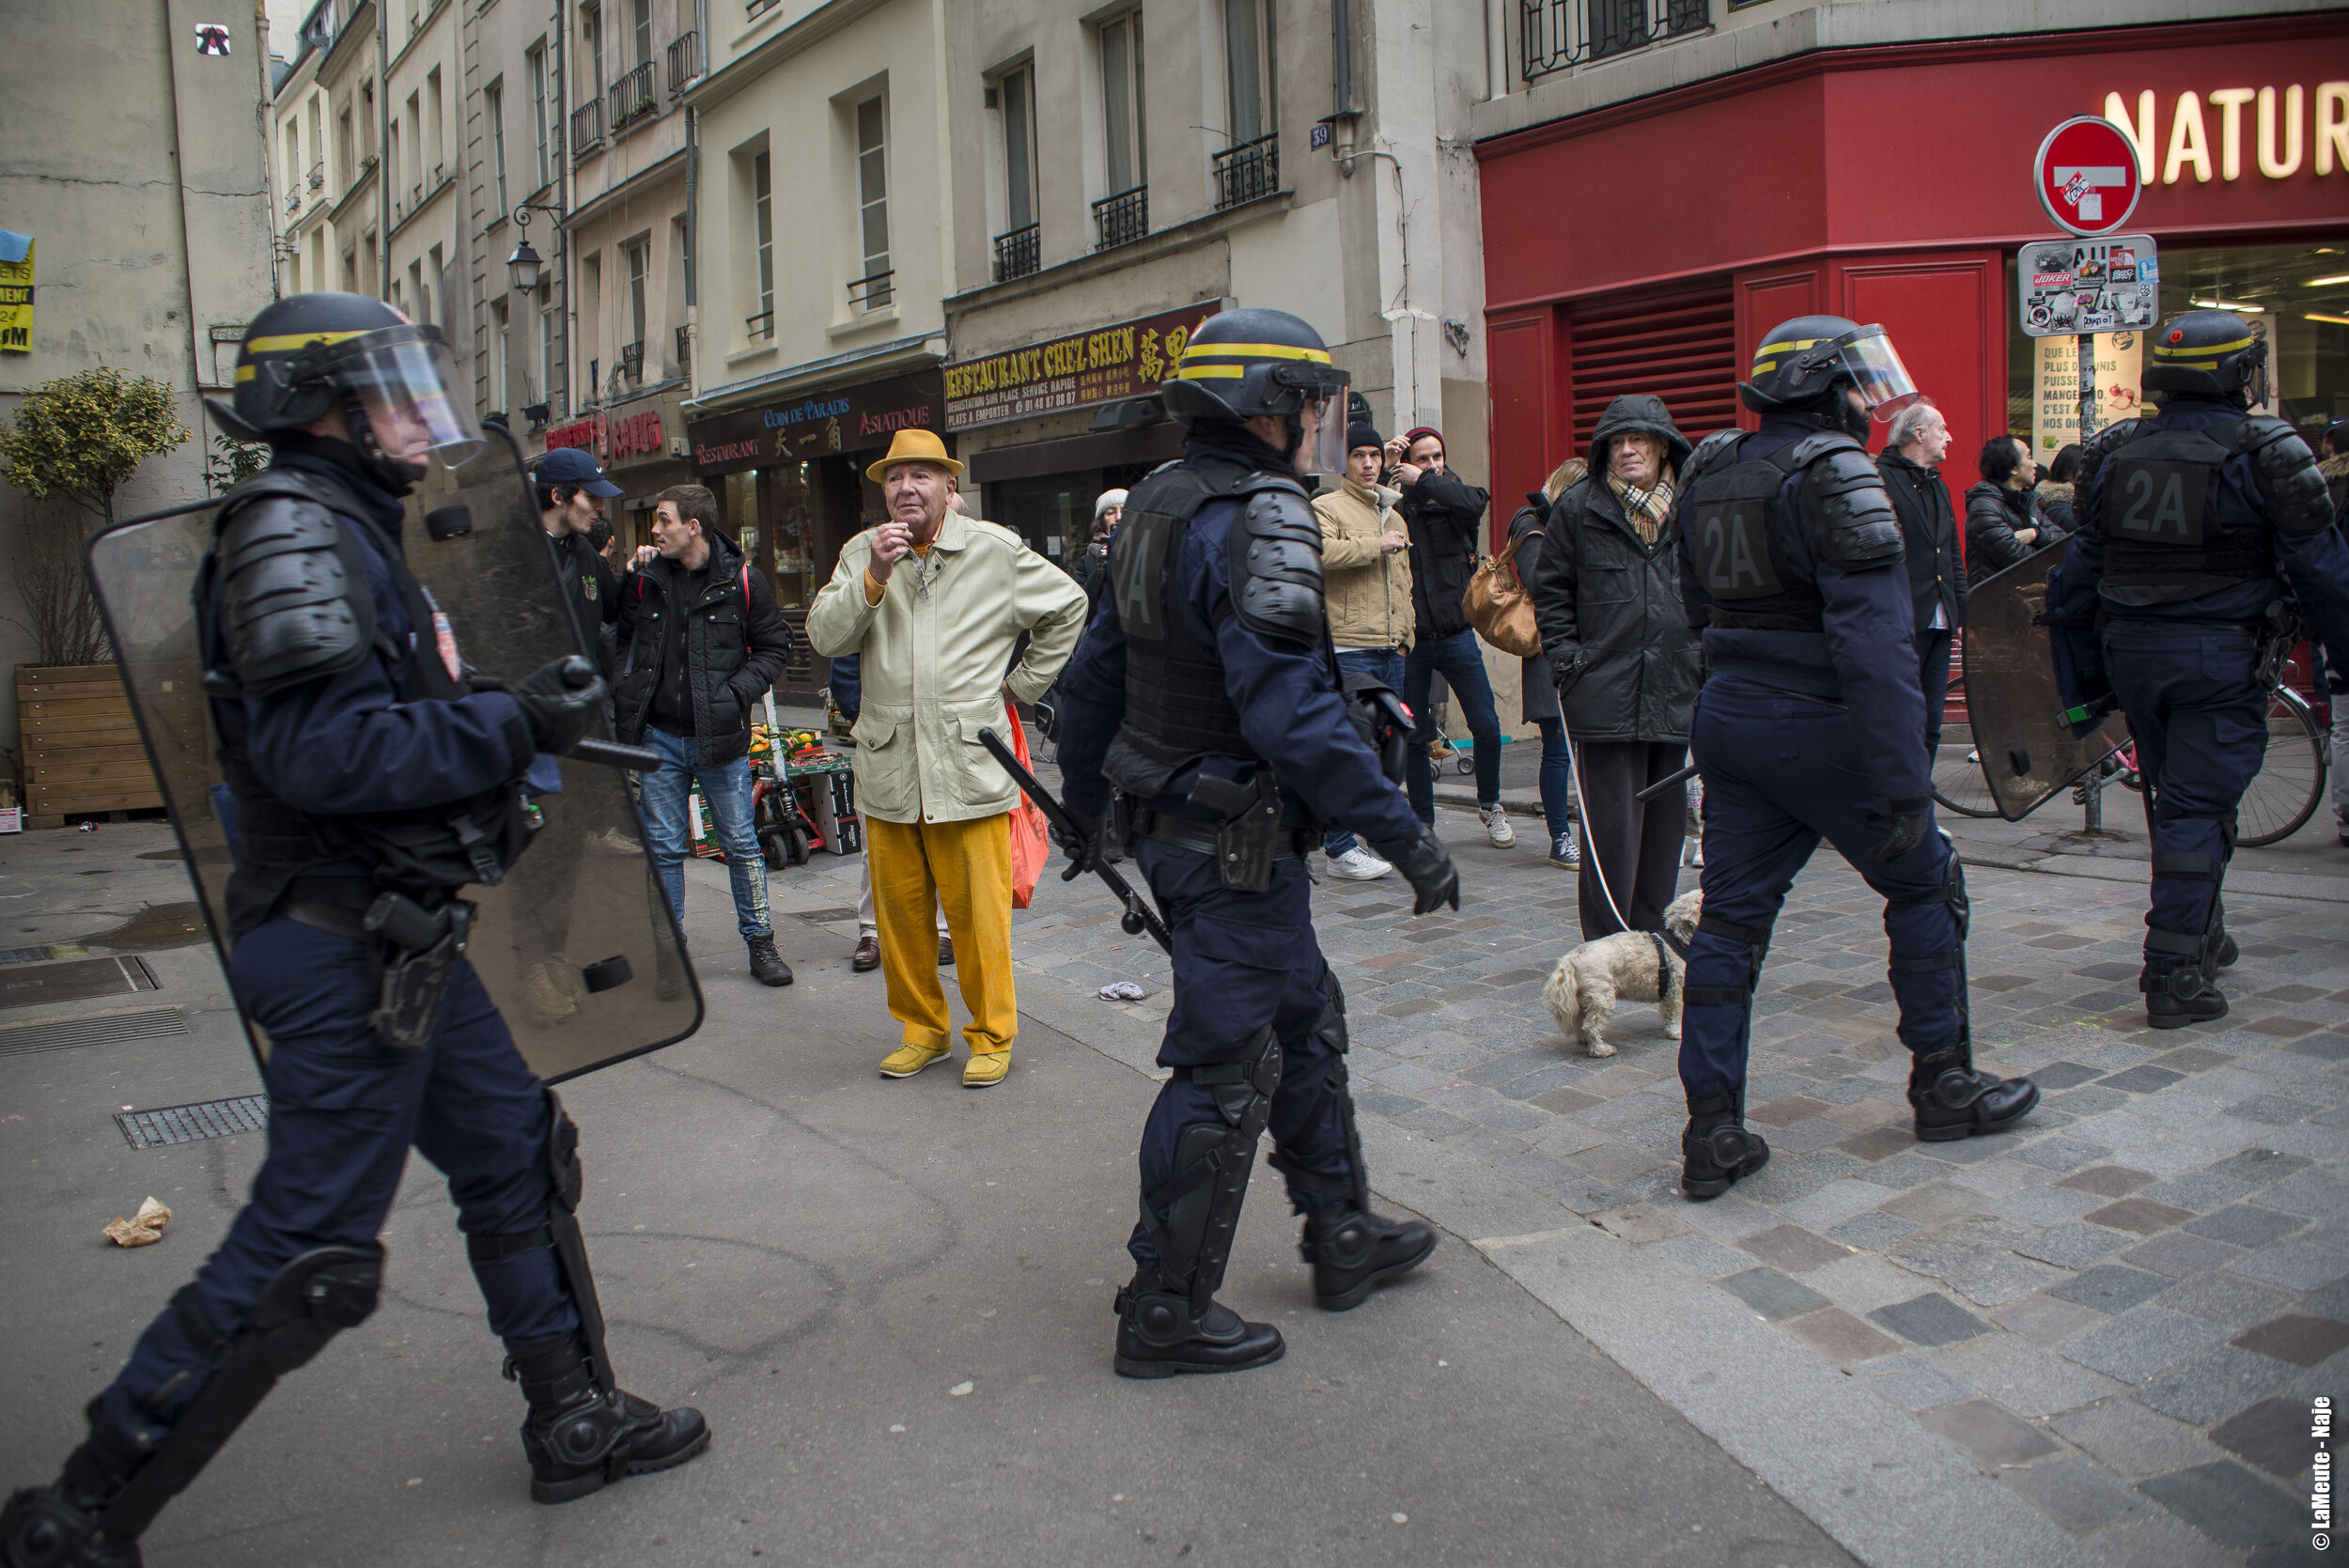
(934, 655)
(1369, 592)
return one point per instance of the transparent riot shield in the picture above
(2012, 708)
(577, 944)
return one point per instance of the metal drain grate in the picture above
(96, 1029)
(825, 917)
(188, 1123)
(42, 954)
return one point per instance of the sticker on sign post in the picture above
(2068, 287)
(2087, 175)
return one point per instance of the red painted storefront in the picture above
(1646, 246)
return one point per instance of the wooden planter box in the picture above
(82, 751)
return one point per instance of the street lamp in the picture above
(525, 264)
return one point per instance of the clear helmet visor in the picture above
(409, 391)
(1879, 374)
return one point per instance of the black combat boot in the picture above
(1952, 1101)
(767, 965)
(1354, 1251)
(582, 1437)
(1157, 1336)
(2222, 954)
(1718, 1148)
(58, 1526)
(2177, 997)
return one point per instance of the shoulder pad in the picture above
(1274, 560)
(295, 601)
(2288, 476)
(1856, 525)
(2111, 438)
(1713, 449)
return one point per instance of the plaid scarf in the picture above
(1644, 509)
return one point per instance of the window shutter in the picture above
(1681, 346)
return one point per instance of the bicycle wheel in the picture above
(2290, 784)
(1957, 781)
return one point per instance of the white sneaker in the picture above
(1358, 864)
(1497, 826)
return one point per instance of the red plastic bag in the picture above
(1031, 835)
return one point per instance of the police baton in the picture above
(1652, 791)
(611, 753)
(1138, 917)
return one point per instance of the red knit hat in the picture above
(1413, 434)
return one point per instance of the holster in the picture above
(1248, 839)
(415, 952)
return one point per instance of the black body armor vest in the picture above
(428, 853)
(1754, 583)
(2170, 530)
(1177, 709)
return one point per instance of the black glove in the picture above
(1910, 818)
(558, 700)
(1082, 853)
(1433, 877)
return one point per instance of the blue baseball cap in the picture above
(568, 465)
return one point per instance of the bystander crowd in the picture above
(2056, 491)
(1911, 466)
(703, 642)
(1366, 583)
(1537, 692)
(2004, 521)
(934, 603)
(1442, 514)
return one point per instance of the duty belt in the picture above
(1199, 837)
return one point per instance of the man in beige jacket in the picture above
(934, 603)
(1366, 579)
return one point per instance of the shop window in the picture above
(1681, 346)
(2295, 296)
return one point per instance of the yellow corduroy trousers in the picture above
(965, 868)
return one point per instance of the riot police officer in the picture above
(1809, 727)
(1206, 691)
(370, 781)
(2198, 524)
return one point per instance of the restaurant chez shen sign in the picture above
(1126, 360)
(635, 436)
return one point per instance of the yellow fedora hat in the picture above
(914, 446)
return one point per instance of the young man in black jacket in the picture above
(1911, 466)
(701, 643)
(1442, 514)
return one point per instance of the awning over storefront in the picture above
(817, 424)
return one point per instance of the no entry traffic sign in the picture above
(2086, 174)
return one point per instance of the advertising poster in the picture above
(2054, 417)
(16, 293)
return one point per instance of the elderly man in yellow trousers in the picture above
(935, 602)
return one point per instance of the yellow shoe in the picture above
(986, 1071)
(910, 1059)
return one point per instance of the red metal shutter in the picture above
(1681, 346)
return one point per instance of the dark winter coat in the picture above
(1609, 605)
(1527, 530)
(1993, 513)
(1936, 572)
(1445, 516)
(2057, 500)
(734, 648)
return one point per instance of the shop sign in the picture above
(2055, 409)
(1127, 360)
(2288, 129)
(16, 293)
(2087, 286)
(636, 435)
(582, 433)
(816, 425)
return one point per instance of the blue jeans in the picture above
(1384, 664)
(727, 790)
(1557, 776)
(1463, 666)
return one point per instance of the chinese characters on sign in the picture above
(634, 436)
(2069, 286)
(1127, 360)
(16, 293)
(2055, 413)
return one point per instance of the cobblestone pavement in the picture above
(2120, 1309)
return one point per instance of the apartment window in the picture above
(763, 207)
(342, 149)
(391, 162)
(591, 49)
(591, 315)
(873, 291)
(317, 141)
(644, 32)
(366, 118)
(538, 57)
(1122, 102)
(550, 337)
(1016, 93)
(419, 291)
(1248, 66)
(493, 102)
(639, 264)
(434, 136)
(293, 274)
(351, 272)
(436, 278)
(500, 321)
(293, 165)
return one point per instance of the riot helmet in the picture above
(1802, 365)
(2206, 353)
(393, 379)
(1243, 363)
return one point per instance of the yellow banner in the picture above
(2054, 417)
(16, 293)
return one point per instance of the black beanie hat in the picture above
(1363, 433)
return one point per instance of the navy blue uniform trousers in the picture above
(1242, 960)
(2192, 693)
(1780, 773)
(344, 1111)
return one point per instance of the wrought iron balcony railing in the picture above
(1559, 33)
(761, 327)
(685, 61)
(633, 95)
(632, 360)
(1121, 219)
(684, 352)
(587, 127)
(317, 175)
(1018, 253)
(1248, 172)
(873, 291)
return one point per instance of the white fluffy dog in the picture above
(1633, 965)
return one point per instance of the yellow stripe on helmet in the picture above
(1793, 346)
(245, 373)
(1210, 372)
(292, 341)
(1764, 366)
(1253, 350)
(2163, 351)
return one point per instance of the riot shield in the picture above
(577, 944)
(2014, 714)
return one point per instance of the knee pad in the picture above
(567, 1180)
(1755, 940)
(1212, 1160)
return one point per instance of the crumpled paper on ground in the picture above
(1122, 990)
(142, 1229)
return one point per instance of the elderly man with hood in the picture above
(1607, 602)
